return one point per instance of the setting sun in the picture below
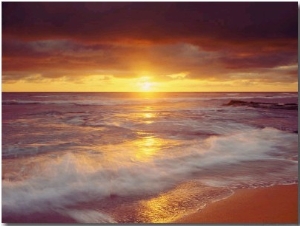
(146, 86)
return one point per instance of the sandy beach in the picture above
(277, 204)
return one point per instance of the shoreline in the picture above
(272, 205)
(276, 204)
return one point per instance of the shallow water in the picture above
(133, 157)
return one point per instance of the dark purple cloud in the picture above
(205, 39)
(151, 21)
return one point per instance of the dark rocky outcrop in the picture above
(287, 106)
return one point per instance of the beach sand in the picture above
(277, 204)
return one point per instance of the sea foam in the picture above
(253, 157)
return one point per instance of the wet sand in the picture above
(277, 204)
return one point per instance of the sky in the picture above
(150, 46)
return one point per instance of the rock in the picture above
(288, 106)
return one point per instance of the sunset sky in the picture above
(150, 46)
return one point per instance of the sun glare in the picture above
(146, 86)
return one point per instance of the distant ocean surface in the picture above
(139, 157)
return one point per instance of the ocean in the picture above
(140, 157)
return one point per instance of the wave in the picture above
(255, 157)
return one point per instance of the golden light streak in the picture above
(147, 147)
(146, 85)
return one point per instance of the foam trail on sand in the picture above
(89, 216)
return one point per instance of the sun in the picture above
(146, 86)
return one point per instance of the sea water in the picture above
(139, 157)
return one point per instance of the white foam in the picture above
(89, 216)
(218, 161)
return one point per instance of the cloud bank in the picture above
(203, 40)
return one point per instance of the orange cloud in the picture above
(206, 41)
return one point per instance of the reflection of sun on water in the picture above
(156, 209)
(148, 116)
(147, 147)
